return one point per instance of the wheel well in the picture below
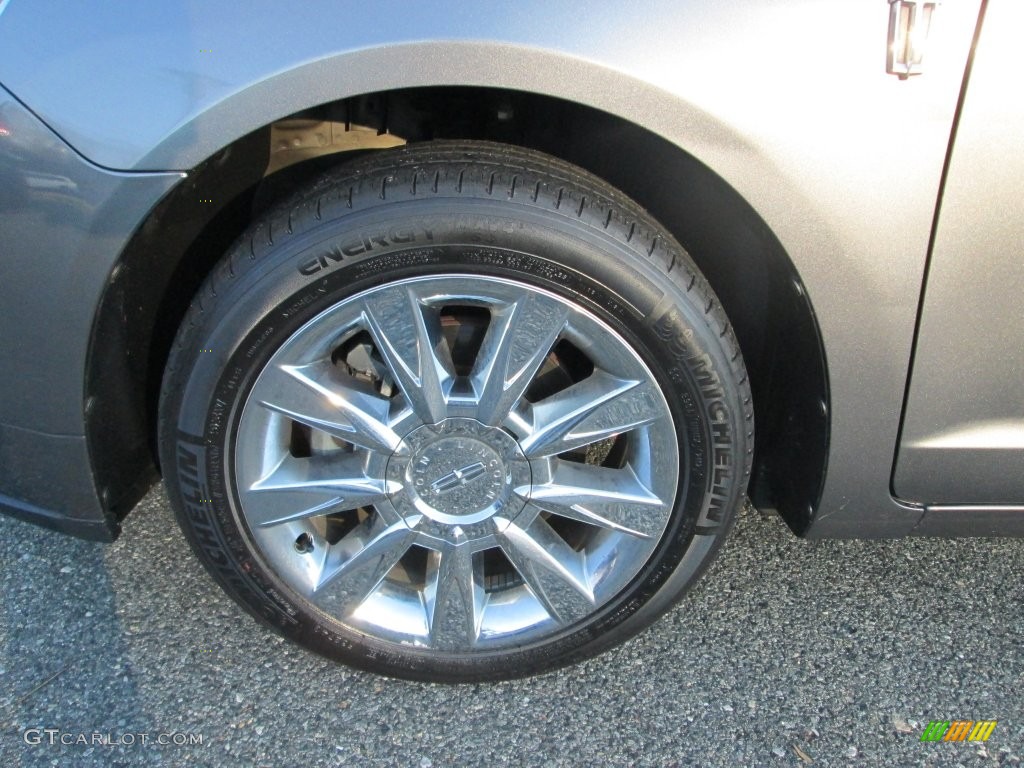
(187, 232)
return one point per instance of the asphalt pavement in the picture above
(787, 653)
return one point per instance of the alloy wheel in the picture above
(456, 462)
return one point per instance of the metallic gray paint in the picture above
(791, 108)
(968, 520)
(64, 242)
(46, 479)
(63, 223)
(963, 434)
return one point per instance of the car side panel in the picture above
(46, 479)
(787, 101)
(963, 434)
(63, 223)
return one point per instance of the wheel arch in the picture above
(186, 233)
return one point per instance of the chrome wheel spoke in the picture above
(601, 496)
(299, 488)
(355, 566)
(454, 598)
(554, 572)
(408, 337)
(596, 408)
(318, 396)
(515, 346)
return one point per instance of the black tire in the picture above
(489, 209)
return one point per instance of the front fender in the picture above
(787, 101)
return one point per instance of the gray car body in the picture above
(890, 208)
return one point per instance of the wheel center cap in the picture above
(457, 476)
(458, 473)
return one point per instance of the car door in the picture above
(962, 439)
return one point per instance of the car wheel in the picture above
(458, 411)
